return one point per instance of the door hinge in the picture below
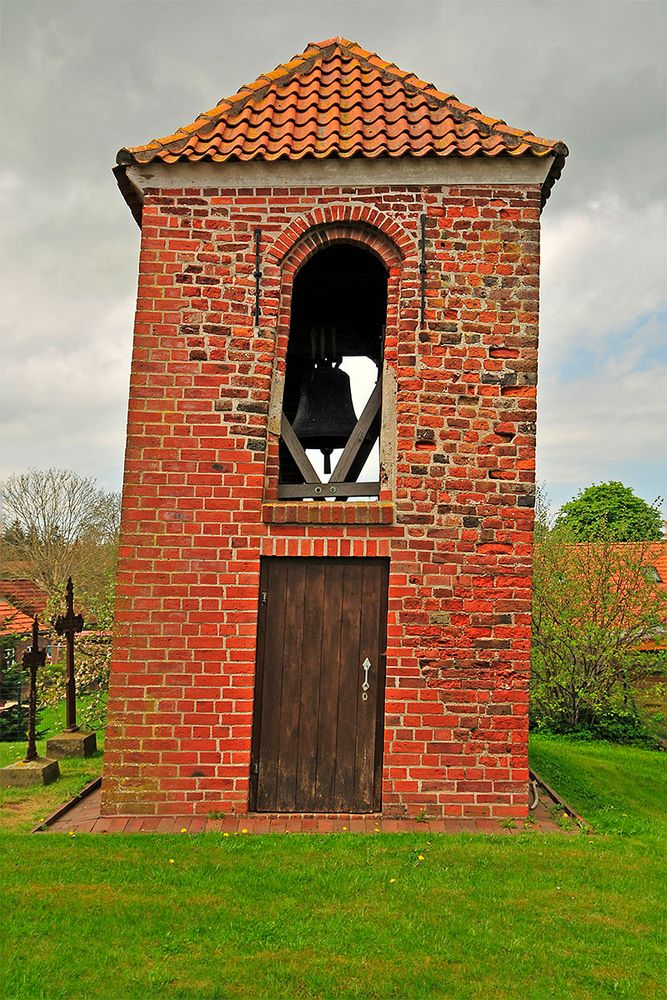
(263, 597)
(255, 767)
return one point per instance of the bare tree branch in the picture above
(55, 524)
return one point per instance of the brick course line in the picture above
(455, 513)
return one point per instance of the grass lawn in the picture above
(618, 789)
(22, 808)
(208, 916)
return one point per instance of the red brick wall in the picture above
(455, 517)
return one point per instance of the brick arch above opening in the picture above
(359, 224)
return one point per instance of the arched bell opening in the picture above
(332, 395)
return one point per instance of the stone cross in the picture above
(32, 659)
(67, 625)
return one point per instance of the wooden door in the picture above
(317, 742)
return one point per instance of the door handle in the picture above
(366, 666)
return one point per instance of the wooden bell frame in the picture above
(343, 482)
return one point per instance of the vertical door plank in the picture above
(260, 675)
(295, 608)
(369, 646)
(349, 692)
(271, 691)
(325, 789)
(382, 682)
(311, 671)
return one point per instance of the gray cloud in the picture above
(81, 79)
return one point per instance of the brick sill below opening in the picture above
(300, 512)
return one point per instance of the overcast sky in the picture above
(81, 79)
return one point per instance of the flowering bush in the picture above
(91, 671)
(92, 655)
(594, 607)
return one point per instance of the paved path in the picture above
(85, 817)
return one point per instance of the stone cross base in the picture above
(35, 772)
(76, 744)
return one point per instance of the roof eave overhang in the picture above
(553, 175)
(133, 193)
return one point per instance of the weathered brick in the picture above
(200, 505)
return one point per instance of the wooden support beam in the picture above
(364, 452)
(319, 492)
(296, 451)
(358, 436)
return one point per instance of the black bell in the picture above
(325, 416)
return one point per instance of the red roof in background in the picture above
(13, 621)
(656, 555)
(338, 99)
(25, 595)
(652, 554)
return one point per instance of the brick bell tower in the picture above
(325, 575)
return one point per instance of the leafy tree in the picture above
(543, 518)
(92, 656)
(58, 524)
(612, 511)
(593, 605)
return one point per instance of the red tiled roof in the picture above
(653, 554)
(338, 99)
(647, 553)
(13, 621)
(24, 594)
(656, 556)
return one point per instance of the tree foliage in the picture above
(92, 660)
(59, 524)
(13, 723)
(14, 684)
(92, 655)
(593, 605)
(611, 511)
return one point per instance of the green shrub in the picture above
(614, 724)
(622, 725)
(14, 687)
(593, 609)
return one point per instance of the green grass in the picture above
(618, 789)
(22, 808)
(291, 917)
(267, 918)
(53, 717)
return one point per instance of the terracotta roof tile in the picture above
(656, 556)
(648, 553)
(13, 621)
(338, 99)
(652, 555)
(25, 595)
